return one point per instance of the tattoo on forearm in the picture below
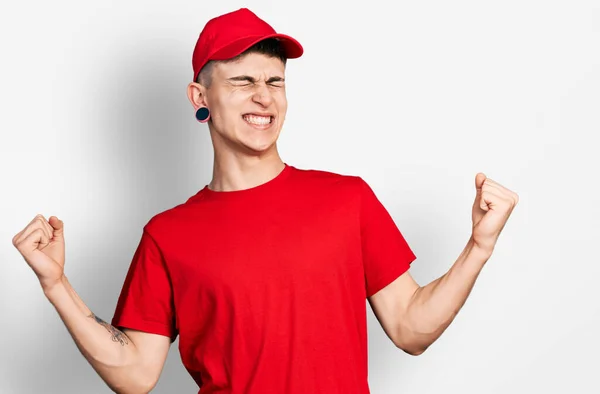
(116, 335)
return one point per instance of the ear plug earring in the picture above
(202, 114)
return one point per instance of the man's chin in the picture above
(259, 147)
(258, 144)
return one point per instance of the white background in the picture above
(415, 97)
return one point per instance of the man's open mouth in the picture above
(258, 120)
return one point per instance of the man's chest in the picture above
(242, 251)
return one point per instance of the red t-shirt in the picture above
(266, 287)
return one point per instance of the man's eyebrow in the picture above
(253, 80)
(242, 78)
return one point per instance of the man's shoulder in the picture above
(169, 220)
(328, 178)
(328, 188)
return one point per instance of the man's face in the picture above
(247, 101)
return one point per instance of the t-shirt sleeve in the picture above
(386, 254)
(146, 299)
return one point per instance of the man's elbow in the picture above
(411, 343)
(141, 385)
(412, 349)
(141, 389)
(416, 339)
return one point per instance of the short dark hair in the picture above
(270, 47)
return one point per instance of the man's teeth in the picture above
(259, 120)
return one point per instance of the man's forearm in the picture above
(434, 306)
(109, 351)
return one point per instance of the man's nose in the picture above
(262, 95)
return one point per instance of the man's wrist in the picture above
(474, 257)
(477, 250)
(54, 288)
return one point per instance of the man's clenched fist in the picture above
(42, 245)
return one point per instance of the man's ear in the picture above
(197, 95)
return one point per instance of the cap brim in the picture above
(291, 46)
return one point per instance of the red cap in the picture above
(228, 35)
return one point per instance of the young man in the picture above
(263, 274)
